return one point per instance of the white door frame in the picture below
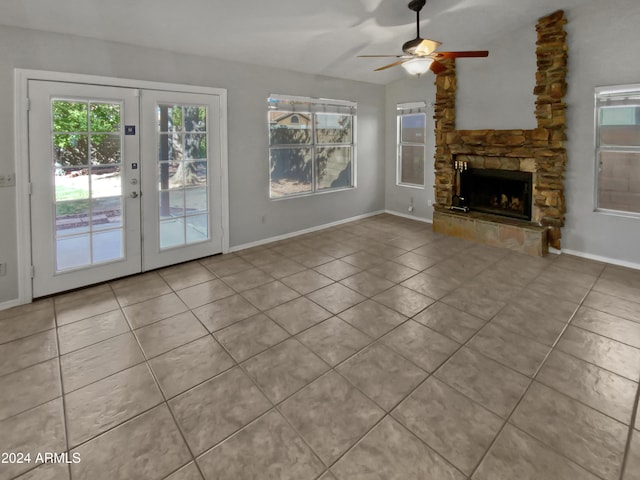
(21, 142)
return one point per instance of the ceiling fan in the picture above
(419, 53)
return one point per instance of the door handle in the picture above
(134, 195)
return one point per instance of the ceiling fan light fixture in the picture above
(417, 66)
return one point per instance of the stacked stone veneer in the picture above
(540, 151)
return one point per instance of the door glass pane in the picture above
(197, 228)
(183, 183)
(107, 245)
(71, 184)
(72, 217)
(69, 116)
(172, 233)
(105, 117)
(105, 149)
(70, 149)
(195, 200)
(106, 182)
(87, 152)
(170, 146)
(106, 213)
(73, 252)
(195, 145)
(172, 203)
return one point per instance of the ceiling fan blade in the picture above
(436, 67)
(381, 56)
(399, 62)
(464, 54)
(426, 46)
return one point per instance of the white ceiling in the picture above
(318, 37)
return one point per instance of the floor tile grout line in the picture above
(365, 347)
(465, 344)
(166, 404)
(375, 340)
(630, 433)
(520, 400)
(65, 417)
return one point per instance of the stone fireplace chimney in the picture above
(540, 151)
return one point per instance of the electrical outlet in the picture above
(7, 179)
(429, 202)
(3, 269)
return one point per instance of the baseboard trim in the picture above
(410, 217)
(11, 303)
(599, 258)
(297, 233)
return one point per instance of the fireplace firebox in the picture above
(498, 192)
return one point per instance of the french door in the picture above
(122, 181)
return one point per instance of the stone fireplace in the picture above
(538, 154)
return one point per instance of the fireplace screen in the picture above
(499, 192)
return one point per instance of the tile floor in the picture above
(372, 350)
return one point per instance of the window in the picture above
(412, 132)
(311, 145)
(618, 149)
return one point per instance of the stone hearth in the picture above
(540, 151)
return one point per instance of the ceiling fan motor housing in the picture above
(416, 5)
(410, 46)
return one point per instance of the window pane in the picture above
(619, 126)
(107, 246)
(197, 228)
(619, 181)
(284, 131)
(172, 203)
(412, 164)
(105, 149)
(195, 119)
(73, 252)
(69, 116)
(106, 213)
(170, 147)
(332, 128)
(106, 182)
(71, 184)
(195, 200)
(333, 167)
(172, 233)
(195, 145)
(72, 217)
(169, 118)
(291, 171)
(70, 150)
(413, 128)
(105, 117)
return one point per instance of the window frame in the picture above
(403, 110)
(311, 107)
(601, 95)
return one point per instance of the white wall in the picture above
(603, 50)
(497, 93)
(247, 86)
(397, 197)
